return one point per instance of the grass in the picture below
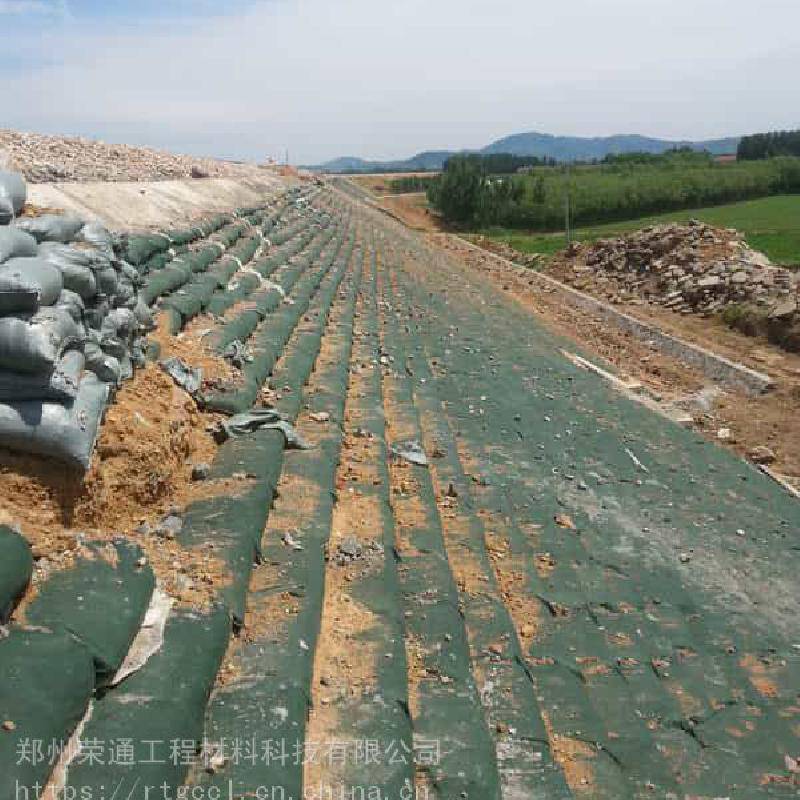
(771, 224)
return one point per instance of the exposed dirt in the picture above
(380, 183)
(772, 420)
(347, 659)
(411, 209)
(269, 610)
(759, 674)
(152, 436)
(574, 757)
(190, 346)
(141, 471)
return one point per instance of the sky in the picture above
(325, 78)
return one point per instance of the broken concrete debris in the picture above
(689, 269)
(410, 451)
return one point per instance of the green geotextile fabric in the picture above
(202, 229)
(270, 341)
(242, 325)
(179, 271)
(16, 566)
(221, 300)
(139, 249)
(158, 711)
(276, 673)
(154, 264)
(245, 249)
(280, 255)
(165, 280)
(193, 296)
(512, 704)
(646, 642)
(100, 599)
(426, 602)
(46, 684)
(228, 236)
(283, 235)
(234, 524)
(383, 715)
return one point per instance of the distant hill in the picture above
(563, 148)
(422, 162)
(571, 148)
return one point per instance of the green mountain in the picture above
(563, 148)
(573, 148)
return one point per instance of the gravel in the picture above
(57, 159)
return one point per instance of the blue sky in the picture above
(249, 78)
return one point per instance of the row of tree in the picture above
(411, 183)
(466, 195)
(676, 156)
(503, 163)
(769, 145)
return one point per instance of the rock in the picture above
(170, 526)
(709, 283)
(350, 548)
(201, 472)
(724, 435)
(320, 416)
(786, 308)
(564, 521)
(199, 172)
(762, 455)
(290, 541)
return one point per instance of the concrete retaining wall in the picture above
(129, 206)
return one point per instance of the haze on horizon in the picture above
(377, 80)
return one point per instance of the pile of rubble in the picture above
(692, 268)
(46, 159)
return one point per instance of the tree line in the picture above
(673, 156)
(467, 195)
(769, 145)
(410, 183)
(503, 163)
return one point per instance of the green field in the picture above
(771, 224)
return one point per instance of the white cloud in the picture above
(384, 80)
